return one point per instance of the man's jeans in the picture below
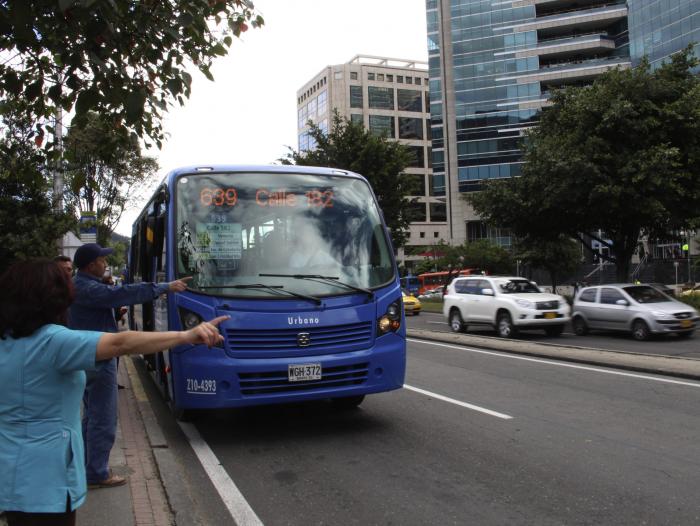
(100, 419)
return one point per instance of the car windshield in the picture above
(232, 228)
(646, 294)
(517, 286)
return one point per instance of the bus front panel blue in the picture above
(338, 341)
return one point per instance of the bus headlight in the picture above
(189, 319)
(391, 321)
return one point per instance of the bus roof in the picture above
(265, 168)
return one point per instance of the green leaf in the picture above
(65, 5)
(134, 106)
(12, 83)
(86, 101)
(34, 89)
(185, 20)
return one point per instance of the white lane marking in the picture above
(457, 402)
(438, 322)
(237, 506)
(560, 364)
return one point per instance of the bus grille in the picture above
(273, 382)
(351, 336)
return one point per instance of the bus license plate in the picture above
(550, 315)
(304, 372)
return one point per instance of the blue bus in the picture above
(410, 284)
(301, 261)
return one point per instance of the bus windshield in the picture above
(234, 227)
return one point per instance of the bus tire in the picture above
(180, 414)
(347, 402)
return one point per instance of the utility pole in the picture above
(58, 164)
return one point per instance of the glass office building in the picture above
(659, 28)
(492, 66)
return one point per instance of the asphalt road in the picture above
(669, 345)
(583, 445)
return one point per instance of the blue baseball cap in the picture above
(88, 253)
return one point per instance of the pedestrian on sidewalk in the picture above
(66, 264)
(42, 371)
(93, 310)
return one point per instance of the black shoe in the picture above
(120, 386)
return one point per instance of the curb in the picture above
(651, 363)
(165, 461)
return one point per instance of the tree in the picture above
(621, 155)
(30, 225)
(106, 172)
(125, 59)
(557, 256)
(350, 146)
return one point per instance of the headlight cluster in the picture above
(525, 304)
(189, 319)
(391, 321)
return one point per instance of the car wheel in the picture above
(554, 331)
(456, 323)
(505, 327)
(580, 327)
(640, 330)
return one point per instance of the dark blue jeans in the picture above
(100, 419)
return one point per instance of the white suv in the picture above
(506, 303)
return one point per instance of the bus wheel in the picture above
(180, 414)
(347, 402)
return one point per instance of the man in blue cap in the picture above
(93, 309)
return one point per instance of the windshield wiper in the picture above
(335, 280)
(271, 288)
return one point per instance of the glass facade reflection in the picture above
(659, 28)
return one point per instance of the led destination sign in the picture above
(267, 198)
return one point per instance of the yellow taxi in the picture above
(411, 305)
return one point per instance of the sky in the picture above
(248, 114)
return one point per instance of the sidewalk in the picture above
(142, 501)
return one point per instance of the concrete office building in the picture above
(389, 97)
(492, 64)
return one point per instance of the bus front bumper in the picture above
(208, 378)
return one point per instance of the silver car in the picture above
(639, 309)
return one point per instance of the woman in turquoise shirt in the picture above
(42, 364)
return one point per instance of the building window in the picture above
(353, 75)
(323, 126)
(409, 100)
(417, 182)
(422, 234)
(311, 109)
(370, 76)
(357, 118)
(436, 234)
(382, 125)
(409, 80)
(355, 96)
(418, 160)
(418, 83)
(410, 128)
(322, 103)
(303, 142)
(381, 98)
(302, 116)
(399, 79)
(438, 212)
(380, 77)
(390, 78)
